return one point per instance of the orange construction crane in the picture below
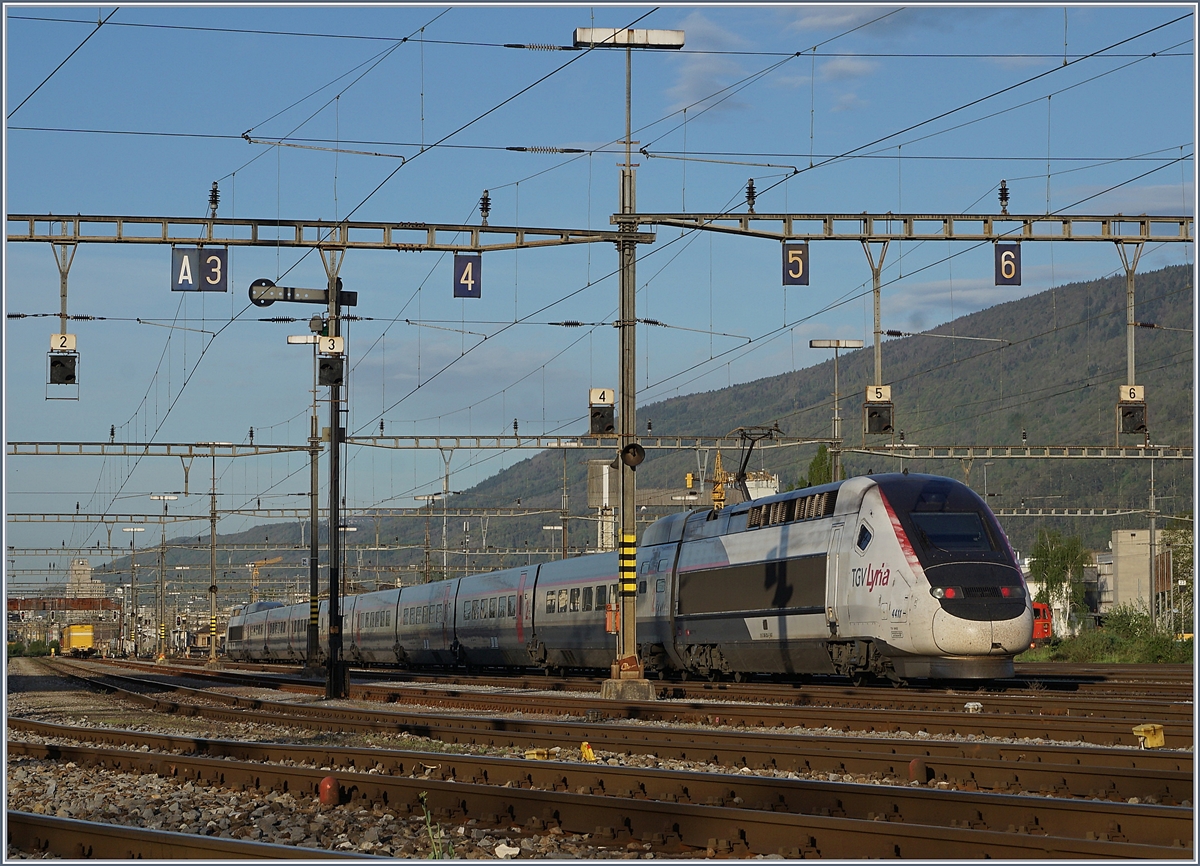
(254, 574)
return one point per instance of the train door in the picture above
(834, 581)
(524, 621)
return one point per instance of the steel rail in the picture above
(1079, 771)
(998, 716)
(760, 829)
(73, 839)
(1148, 824)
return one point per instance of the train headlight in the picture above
(946, 592)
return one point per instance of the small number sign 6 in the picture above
(1008, 264)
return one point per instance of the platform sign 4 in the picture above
(468, 272)
(1008, 264)
(199, 270)
(795, 264)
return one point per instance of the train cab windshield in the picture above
(945, 520)
(951, 531)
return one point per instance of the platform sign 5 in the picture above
(795, 264)
(1008, 264)
(199, 270)
(468, 276)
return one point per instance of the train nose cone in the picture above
(955, 636)
(1013, 635)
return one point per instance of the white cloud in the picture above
(702, 75)
(848, 102)
(1155, 199)
(843, 68)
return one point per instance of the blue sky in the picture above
(760, 102)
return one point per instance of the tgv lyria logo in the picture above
(871, 576)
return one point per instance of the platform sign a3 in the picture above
(199, 270)
(795, 264)
(1008, 264)
(468, 276)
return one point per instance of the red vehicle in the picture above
(1042, 624)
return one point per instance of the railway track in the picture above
(668, 811)
(72, 839)
(1061, 769)
(1164, 683)
(1065, 719)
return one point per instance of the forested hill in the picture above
(1056, 379)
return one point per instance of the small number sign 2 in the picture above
(199, 270)
(62, 342)
(468, 276)
(1008, 264)
(795, 264)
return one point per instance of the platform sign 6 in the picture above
(199, 270)
(468, 271)
(795, 264)
(1008, 264)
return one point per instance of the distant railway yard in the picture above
(163, 761)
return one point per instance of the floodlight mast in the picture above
(628, 674)
(836, 450)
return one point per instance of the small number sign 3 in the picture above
(468, 276)
(199, 270)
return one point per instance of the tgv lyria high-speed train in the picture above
(895, 576)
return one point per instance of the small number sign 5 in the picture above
(795, 264)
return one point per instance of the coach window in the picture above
(491, 608)
(475, 611)
(574, 599)
(562, 601)
(512, 605)
(550, 596)
(404, 618)
(641, 587)
(587, 598)
(661, 585)
(601, 597)
(864, 537)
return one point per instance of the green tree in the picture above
(1178, 539)
(820, 470)
(1056, 564)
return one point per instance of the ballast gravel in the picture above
(150, 801)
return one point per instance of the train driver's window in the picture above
(601, 597)
(574, 599)
(550, 596)
(864, 537)
(512, 605)
(587, 598)
(492, 608)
